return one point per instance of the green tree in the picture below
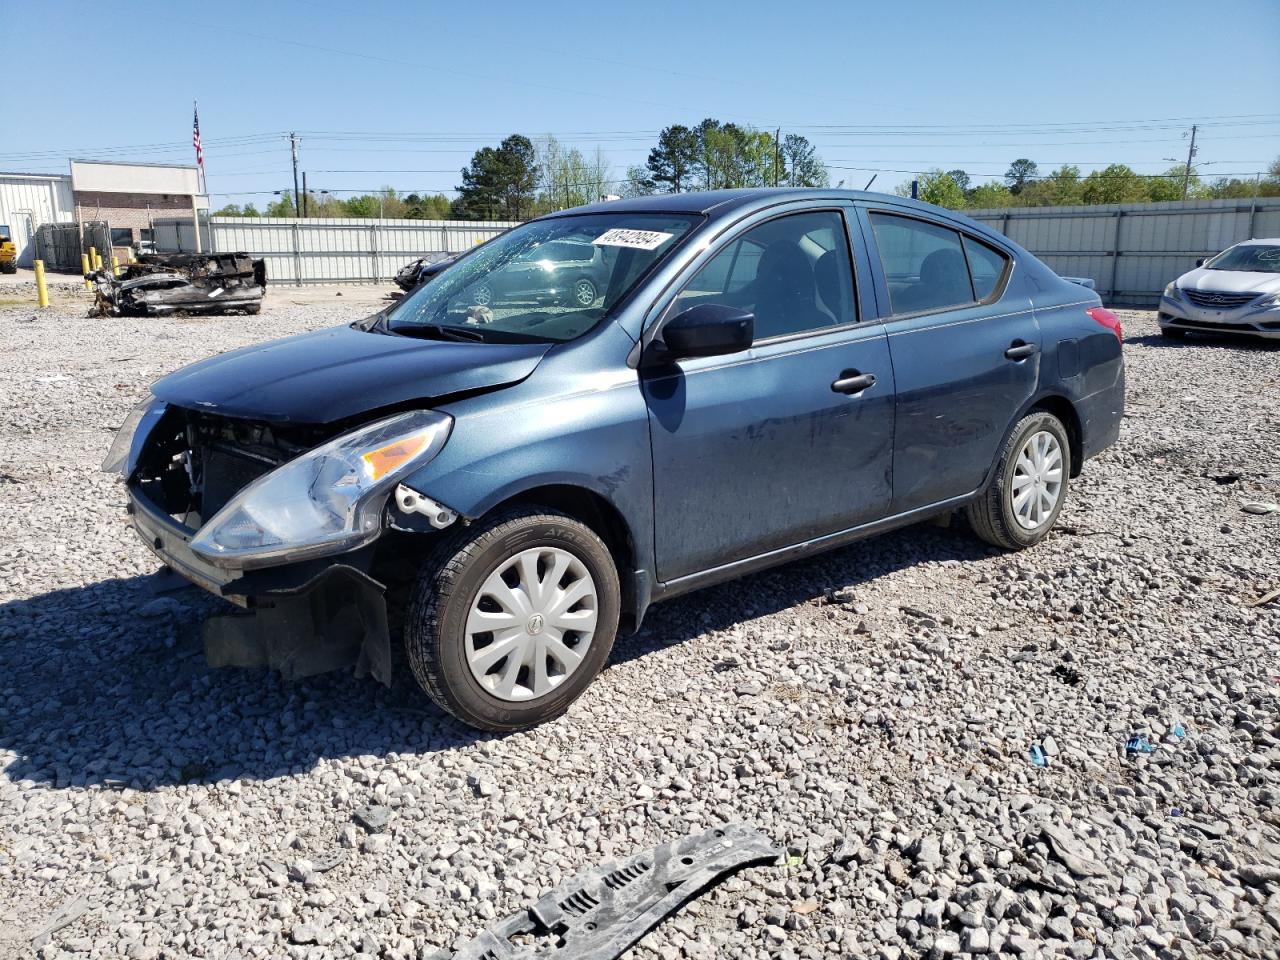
(673, 162)
(936, 187)
(1020, 172)
(435, 207)
(804, 168)
(639, 183)
(961, 178)
(282, 206)
(566, 178)
(1168, 186)
(1059, 188)
(230, 210)
(500, 182)
(1117, 183)
(987, 196)
(735, 156)
(250, 211)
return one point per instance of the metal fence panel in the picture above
(1132, 250)
(326, 250)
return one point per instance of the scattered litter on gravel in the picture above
(877, 711)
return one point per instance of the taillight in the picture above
(1108, 319)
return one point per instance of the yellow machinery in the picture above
(8, 251)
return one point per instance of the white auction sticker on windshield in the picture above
(636, 239)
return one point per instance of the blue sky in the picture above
(401, 94)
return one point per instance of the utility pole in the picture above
(1191, 153)
(776, 135)
(297, 199)
(304, 193)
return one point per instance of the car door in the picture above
(789, 440)
(965, 355)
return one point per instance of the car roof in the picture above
(715, 202)
(1259, 241)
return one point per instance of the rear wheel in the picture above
(1026, 495)
(509, 623)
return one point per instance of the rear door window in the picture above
(924, 264)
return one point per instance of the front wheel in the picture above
(584, 292)
(1026, 495)
(509, 623)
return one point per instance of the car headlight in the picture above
(329, 500)
(1270, 302)
(137, 425)
(1171, 291)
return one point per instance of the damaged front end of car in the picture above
(283, 520)
(159, 284)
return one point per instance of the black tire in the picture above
(992, 515)
(441, 601)
(1173, 333)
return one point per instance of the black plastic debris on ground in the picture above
(602, 913)
(1067, 674)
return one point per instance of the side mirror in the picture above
(707, 330)
(1201, 261)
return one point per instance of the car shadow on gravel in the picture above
(98, 693)
(722, 606)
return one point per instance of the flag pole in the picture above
(200, 184)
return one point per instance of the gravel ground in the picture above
(872, 710)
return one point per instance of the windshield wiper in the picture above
(439, 331)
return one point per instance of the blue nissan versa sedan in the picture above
(762, 374)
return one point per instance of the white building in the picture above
(126, 197)
(30, 199)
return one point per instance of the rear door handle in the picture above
(851, 381)
(1019, 350)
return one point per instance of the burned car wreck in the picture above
(159, 284)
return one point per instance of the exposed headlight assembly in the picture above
(136, 428)
(1171, 291)
(329, 500)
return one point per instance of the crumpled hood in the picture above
(1230, 281)
(337, 373)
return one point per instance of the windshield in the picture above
(1248, 257)
(545, 280)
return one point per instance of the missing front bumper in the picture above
(301, 619)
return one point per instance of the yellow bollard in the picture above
(84, 271)
(115, 266)
(42, 292)
(93, 259)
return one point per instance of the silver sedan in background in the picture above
(1238, 291)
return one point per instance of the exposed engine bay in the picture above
(164, 283)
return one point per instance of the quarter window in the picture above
(986, 264)
(793, 273)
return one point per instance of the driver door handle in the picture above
(851, 381)
(1018, 350)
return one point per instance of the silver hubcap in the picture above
(531, 623)
(585, 292)
(482, 295)
(1037, 480)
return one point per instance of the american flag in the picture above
(195, 141)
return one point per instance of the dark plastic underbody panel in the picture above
(602, 913)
